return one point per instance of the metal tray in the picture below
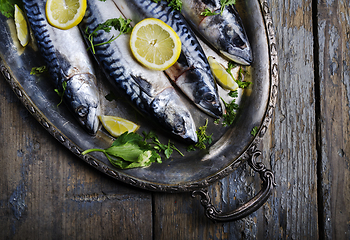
(196, 170)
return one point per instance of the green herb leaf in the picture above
(61, 94)
(225, 3)
(241, 84)
(254, 131)
(7, 7)
(208, 12)
(157, 145)
(175, 4)
(131, 150)
(38, 70)
(231, 109)
(120, 24)
(203, 138)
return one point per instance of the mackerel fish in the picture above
(67, 60)
(224, 32)
(150, 91)
(191, 73)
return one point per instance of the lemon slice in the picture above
(65, 14)
(155, 44)
(21, 26)
(221, 75)
(116, 126)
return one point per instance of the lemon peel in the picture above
(65, 14)
(21, 26)
(223, 78)
(116, 126)
(155, 44)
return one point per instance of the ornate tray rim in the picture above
(248, 153)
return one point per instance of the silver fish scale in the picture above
(42, 36)
(115, 69)
(80, 94)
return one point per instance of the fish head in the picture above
(199, 85)
(210, 104)
(82, 98)
(170, 110)
(235, 47)
(227, 35)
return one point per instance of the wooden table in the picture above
(47, 193)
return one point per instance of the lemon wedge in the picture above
(155, 44)
(221, 75)
(21, 26)
(65, 14)
(116, 126)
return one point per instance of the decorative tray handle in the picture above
(249, 207)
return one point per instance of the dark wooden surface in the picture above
(47, 193)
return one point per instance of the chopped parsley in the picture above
(38, 70)
(157, 145)
(241, 73)
(175, 4)
(203, 138)
(231, 109)
(224, 3)
(61, 94)
(254, 131)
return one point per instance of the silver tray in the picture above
(196, 170)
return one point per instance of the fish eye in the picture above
(209, 97)
(237, 41)
(82, 111)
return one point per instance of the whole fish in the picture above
(68, 62)
(149, 90)
(223, 31)
(191, 73)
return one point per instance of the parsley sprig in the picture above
(38, 70)
(175, 4)
(231, 109)
(61, 94)
(224, 3)
(254, 131)
(203, 138)
(241, 84)
(157, 145)
(120, 24)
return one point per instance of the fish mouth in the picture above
(212, 108)
(244, 59)
(90, 120)
(169, 109)
(205, 97)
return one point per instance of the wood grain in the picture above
(289, 148)
(292, 212)
(334, 120)
(47, 193)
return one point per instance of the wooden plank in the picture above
(289, 149)
(333, 27)
(292, 212)
(46, 192)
